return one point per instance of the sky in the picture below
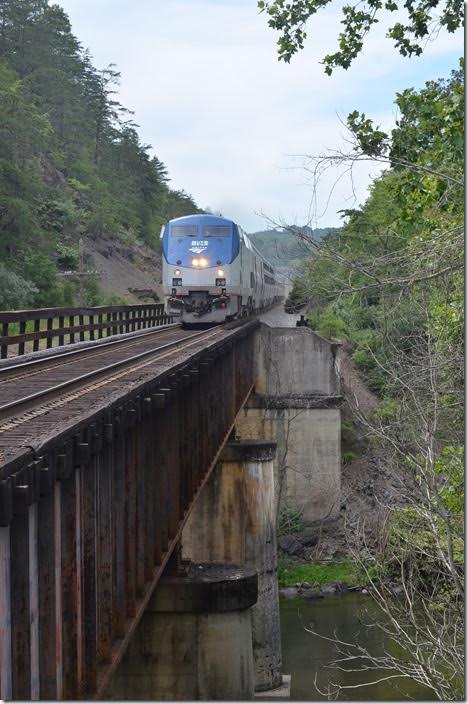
(232, 124)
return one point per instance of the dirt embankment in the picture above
(130, 272)
(372, 483)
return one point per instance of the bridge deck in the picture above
(94, 490)
(55, 413)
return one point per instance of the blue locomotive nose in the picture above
(212, 272)
(200, 241)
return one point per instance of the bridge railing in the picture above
(31, 330)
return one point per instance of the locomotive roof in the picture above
(208, 219)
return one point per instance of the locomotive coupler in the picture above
(220, 300)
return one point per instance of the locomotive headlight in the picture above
(220, 272)
(195, 262)
(203, 262)
(177, 272)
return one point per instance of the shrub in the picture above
(15, 291)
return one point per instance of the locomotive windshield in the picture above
(216, 231)
(207, 231)
(184, 231)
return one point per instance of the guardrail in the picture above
(30, 330)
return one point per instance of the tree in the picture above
(423, 18)
(71, 162)
(391, 283)
(421, 548)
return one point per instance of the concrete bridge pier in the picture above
(233, 521)
(194, 640)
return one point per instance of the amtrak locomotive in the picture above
(212, 272)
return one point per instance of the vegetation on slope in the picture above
(71, 161)
(391, 283)
(284, 248)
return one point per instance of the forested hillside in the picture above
(285, 248)
(389, 284)
(71, 162)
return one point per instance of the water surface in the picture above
(305, 655)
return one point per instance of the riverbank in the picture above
(315, 580)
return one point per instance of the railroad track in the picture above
(63, 355)
(28, 387)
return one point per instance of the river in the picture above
(305, 654)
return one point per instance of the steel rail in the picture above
(27, 403)
(12, 370)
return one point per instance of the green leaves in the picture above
(15, 291)
(371, 141)
(422, 17)
(71, 161)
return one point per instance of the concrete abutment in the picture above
(297, 405)
(234, 521)
(194, 640)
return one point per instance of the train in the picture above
(213, 273)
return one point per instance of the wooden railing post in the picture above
(4, 347)
(81, 323)
(61, 324)
(37, 327)
(22, 330)
(71, 323)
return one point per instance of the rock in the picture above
(328, 589)
(308, 541)
(290, 545)
(364, 591)
(309, 536)
(289, 592)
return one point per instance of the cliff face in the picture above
(131, 272)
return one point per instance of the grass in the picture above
(291, 573)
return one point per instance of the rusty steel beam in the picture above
(88, 524)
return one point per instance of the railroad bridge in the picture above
(136, 527)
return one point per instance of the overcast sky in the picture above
(227, 118)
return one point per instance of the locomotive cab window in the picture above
(184, 231)
(216, 231)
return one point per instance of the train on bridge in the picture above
(212, 272)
